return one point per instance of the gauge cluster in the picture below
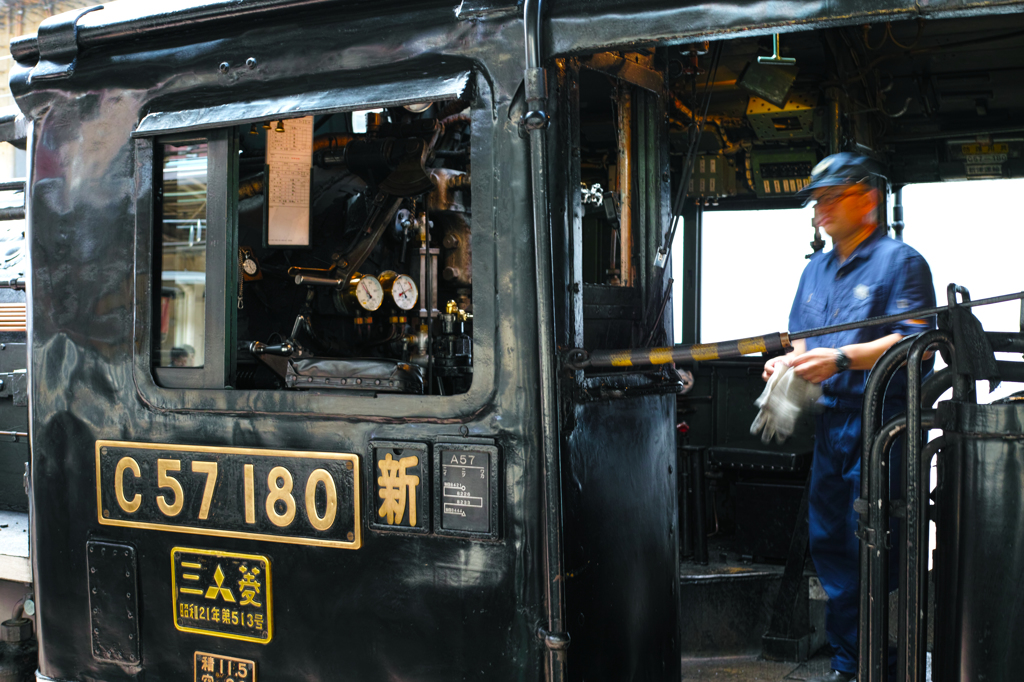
(381, 298)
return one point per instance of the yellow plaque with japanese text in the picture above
(222, 594)
(400, 487)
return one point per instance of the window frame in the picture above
(190, 392)
(221, 233)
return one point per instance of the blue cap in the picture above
(841, 170)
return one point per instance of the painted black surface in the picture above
(985, 604)
(766, 513)
(403, 606)
(726, 615)
(620, 526)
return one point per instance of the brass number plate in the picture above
(307, 498)
(217, 668)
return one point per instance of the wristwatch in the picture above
(842, 360)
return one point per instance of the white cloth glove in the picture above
(781, 403)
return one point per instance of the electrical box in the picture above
(795, 121)
(781, 172)
(714, 175)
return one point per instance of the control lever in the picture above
(319, 281)
(284, 349)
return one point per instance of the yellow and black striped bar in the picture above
(701, 352)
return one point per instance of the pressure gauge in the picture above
(400, 289)
(363, 292)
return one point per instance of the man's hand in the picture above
(773, 364)
(770, 367)
(815, 365)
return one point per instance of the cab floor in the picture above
(752, 669)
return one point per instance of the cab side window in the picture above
(182, 236)
(328, 253)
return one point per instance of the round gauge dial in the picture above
(369, 294)
(249, 266)
(404, 292)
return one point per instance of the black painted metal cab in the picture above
(285, 407)
(305, 282)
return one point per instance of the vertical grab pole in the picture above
(536, 121)
(873, 640)
(914, 560)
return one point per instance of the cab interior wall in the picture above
(913, 94)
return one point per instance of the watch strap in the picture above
(842, 360)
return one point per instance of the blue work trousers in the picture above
(835, 484)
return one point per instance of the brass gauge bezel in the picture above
(387, 279)
(349, 294)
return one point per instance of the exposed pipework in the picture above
(897, 214)
(536, 121)
(834, 120)
(626, 171)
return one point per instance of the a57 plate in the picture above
(308, 498)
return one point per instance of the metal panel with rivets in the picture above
(113, 602)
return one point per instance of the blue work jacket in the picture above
(881, 277)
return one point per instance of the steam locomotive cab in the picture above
(313, 293)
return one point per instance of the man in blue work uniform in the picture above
(866, 274)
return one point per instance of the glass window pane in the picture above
(183, 254)
(772, 243)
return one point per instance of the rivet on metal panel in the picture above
(251, 62)
(224, 66)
